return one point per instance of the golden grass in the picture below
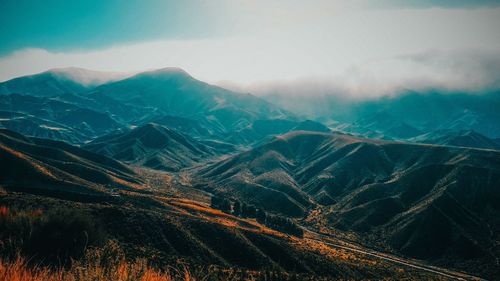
(31, 162)
(19, 270)
(220, 217)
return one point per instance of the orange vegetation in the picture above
(4, 211)
(19, 270)
(32, 162)
(220, 217)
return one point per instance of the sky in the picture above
(355, 47)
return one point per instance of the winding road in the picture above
(369, 252)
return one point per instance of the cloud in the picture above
(434, 3)
(451, 71)
(351, 51)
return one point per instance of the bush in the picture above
(237, 208)
(221, 203)
(248, 211)
(53, 238)
(64, 235)
(283, 224)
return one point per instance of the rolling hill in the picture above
(465, 138)
(152, 146)
(40, 128)
(58, 81)
(261, 129)
(176, 93)
(155, 146)
(149, 221)
(87, 122)
(43, 166)
(403, 115)
(426, 201)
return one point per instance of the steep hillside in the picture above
(398, 192)
(40, 128)
(465, 138)
(198, 128)
(40, 176)
(44, 166)
(402, 115)
(152, 146)
(261, 129)
(86, 121)
(175, 92)
(58, 81)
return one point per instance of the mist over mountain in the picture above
(413, 175)
(59, 81)
(250, 140)
(174, 91)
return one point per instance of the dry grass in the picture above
(29, 160)
(19, 270)
(220, 217)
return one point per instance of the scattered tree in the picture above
(261, 216)
(237, 208)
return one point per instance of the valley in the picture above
(187, 174)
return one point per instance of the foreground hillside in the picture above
(425, 201)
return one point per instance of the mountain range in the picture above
(415, 175)
(402, 192)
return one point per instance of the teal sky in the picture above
(361, 45)
(60, 25)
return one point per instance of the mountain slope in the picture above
(56, 168)
(402, 192)
(403, 115)
(58, 81)
(176, 93)
(88, 122)
(465, 138)
(40, 128)
(147, 221)
(152, 146)
(261, 129)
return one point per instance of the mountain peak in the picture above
(87, 77)
(167, 72)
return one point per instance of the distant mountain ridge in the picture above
(464, 138)
(417, 174)
(403, 115)
(59, 81)
(175, 92)
(168, 96)
(152, 146)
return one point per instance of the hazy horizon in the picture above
(355, 48)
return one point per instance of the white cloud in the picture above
(452, 71)
(355, 50)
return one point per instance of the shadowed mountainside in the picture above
(42, 174)
(56, 168)
(464, 138)
(426, 201)
(85, 121)
(153, 146)
(58, 81)
(175, 92)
